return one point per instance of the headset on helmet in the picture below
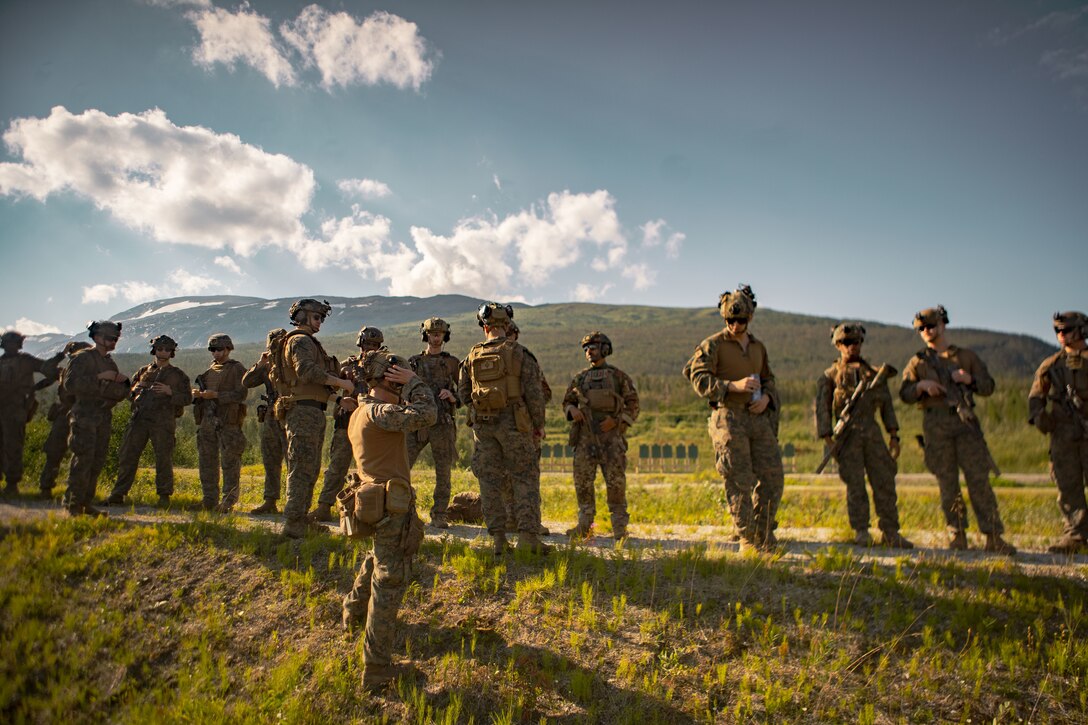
(848, 331)
(165, 342)
(601, 340)
(494, 314)
(309, 305)
(741, 302)
(108, 327)
(369, 337)
(435, 324)
(930, 316)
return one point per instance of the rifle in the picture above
(589, 423)
(205, 406)
(846, 417)
(1073, 403)
(960, 398)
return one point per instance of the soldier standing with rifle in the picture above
(273, 437)
(602, 403)
(438, 369)
(848, 396)
(1062, 381)
(17, 404)
(369, 338)
(160, 393)
(219, 409)
(56, 443)
(731, 370)
(942, 379)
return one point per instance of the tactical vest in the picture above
(149, 375)
(228, 377)
(285, 379)
(495, 372)
(599, 386)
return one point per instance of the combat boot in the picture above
(115, 500)
(1068, 545)
(438, 520)
(322, 512)
(268, 507)
(45, 493)
(958, 541)
(582, 530)
(996, 545)
(499, 545)
(164, 502)
(11, 489)
(768, 543)
(349, 621)
(531, 542)
(377, 677)
(895, 540)
(224, 507)
(619, 534)
(85, 510)
(295, 528)
(863, 538)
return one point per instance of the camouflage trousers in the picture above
(951, 445)
(864, 452)
(140, 430)
(1069, 469)
(219, 445)
(746, 454)
(12, 442)
(55, 447)
(305, 436)
(502, 450)
(89, 441)
(612, 459)
(273, 448)
(443, 442)
(378, 590)
(340, 460)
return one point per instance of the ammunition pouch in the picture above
(262, 412)
(522, 419)
(281, 406)
(366, 506)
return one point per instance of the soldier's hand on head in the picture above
(962, 377)
(574, 414)
(893, 448)
(608, 424)
(399, 375)
(758, 406)
(930, 387)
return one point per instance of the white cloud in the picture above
(495, 180)
(183, 184)
(640, 275)
(228, 264)
(365, 188)
(179, 283)
(244, 36)
(652, 236)
(177, 3)
(30, 327)
(384, 48)
(584, 292)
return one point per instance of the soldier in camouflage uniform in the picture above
(506, 414)
(513, 332)
(438, 369)
(56, 443)
(731, 370)
(160, 393)
(17, 404)
(951, 442)
(273, 436)
(862, 451)
(369, 338)
(219, 408)
(1062, 381)
(602, 403)
(95, 383)
(377, 434)
(304, 379)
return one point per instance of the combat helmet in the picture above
(11, 337)
(1072, 318)
(930, 316)
(107, 327)
(848, 331)
(309, 305)
(164, 341)
(220, 339)
(435, 324)
(601, 340)
(741, 302)
(369, 337)
(377, 362)
(495, 314)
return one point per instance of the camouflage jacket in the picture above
(17, 375)
(82, 383)
(920, 368)
(148, 404)
(1050, 386)
(440, 373)
(836, 386)
(257, 376)
(226, 381)
(720, 359)
(618, 383)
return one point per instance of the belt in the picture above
(312, 404)
(939, 410)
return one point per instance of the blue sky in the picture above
(857, 160)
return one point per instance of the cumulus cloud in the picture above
(365, 188)
(496, 181)
(183, 184)
(179, 283)
(383, 48)
(228, 264)
(641, 276)
(584, 292)
(653, 236)
(29, 327)
(178, 3)
(241, 37)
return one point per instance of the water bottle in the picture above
(758, 391)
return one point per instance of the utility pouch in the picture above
(280, 408)
(601, 399)
(262, 412)
(346, 502)
(399, 496)
(521, 418)
(370, 503)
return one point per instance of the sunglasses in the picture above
(848, 341)
(110, 338)
(736, 321)
(216, 349)
(927, 326)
